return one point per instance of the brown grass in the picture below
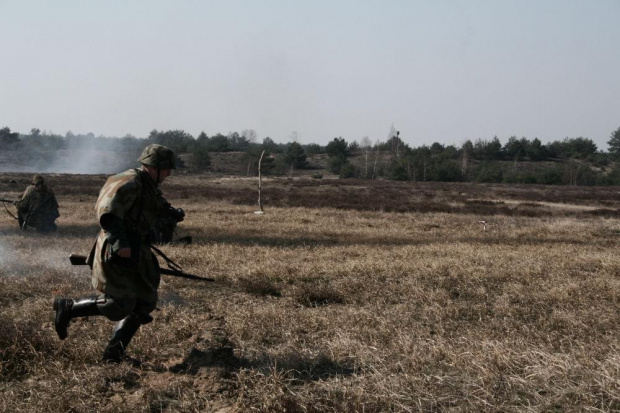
(320, 309)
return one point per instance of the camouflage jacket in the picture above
(133, 197)
(38, 208)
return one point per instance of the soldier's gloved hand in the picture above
(124, 252)
(180, 215)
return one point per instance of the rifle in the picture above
(81, 260)
(8, 201)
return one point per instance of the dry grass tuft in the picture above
(317, 294)
(260, 286)
(23, 346)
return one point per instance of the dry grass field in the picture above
(345, 296)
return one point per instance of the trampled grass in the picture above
(319, 309)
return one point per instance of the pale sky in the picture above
(438, 70)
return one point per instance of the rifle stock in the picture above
(81, 260)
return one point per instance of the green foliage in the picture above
(354, 147)
(335, 164)
(177, 140)
(482, 161)
(338, 148)
(218, 143)
(237, 142)
(614, 144)
(313, 149)
(201, 160)
(487, 150)
(577, 148)
(489, 172)
(399, 173)
(549, 177)
(8, 138)
(295, 156)
(446, 171)
(348, 170)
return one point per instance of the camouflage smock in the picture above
(133, 197)
(38, 207)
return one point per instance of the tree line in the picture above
(571, 161)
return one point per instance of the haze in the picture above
(442, 71)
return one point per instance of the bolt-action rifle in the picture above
(81, 260)
(8, 201)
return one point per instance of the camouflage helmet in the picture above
(37, 179)
(158, 156)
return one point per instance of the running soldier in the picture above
(38, 207)
(124, 270)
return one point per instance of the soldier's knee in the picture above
(116, 309)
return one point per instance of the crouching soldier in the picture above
(124, 270)
(38, 207)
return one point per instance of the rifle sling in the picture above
(171, 264)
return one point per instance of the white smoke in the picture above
(82, 154)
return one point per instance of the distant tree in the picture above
(201, 160)
(614, 143)
(577, 148)
(353, 147)
(516, 148)
(395, 145)
(177, 140)
(536, 151)
(35, 132)
(375, 168)
(295, 156)
(467, 150)
(294, 136)
(581, 147)
(437, 149)
(489, 172)
(450, 152)
(8, 138)
(399, 173)
(250, 135)
(313, 149)
(347, 170)
(488, 150)
(218, 143)
(270, 146)
(446, 171)
(338, 148)
(366, 145)
(237, 142)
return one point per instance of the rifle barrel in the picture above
(81, 260)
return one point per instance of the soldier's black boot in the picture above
(123, 332)
(67, 309)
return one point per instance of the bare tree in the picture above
(260, 184)
(374, 169)
(250, 135)
(366, 145)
